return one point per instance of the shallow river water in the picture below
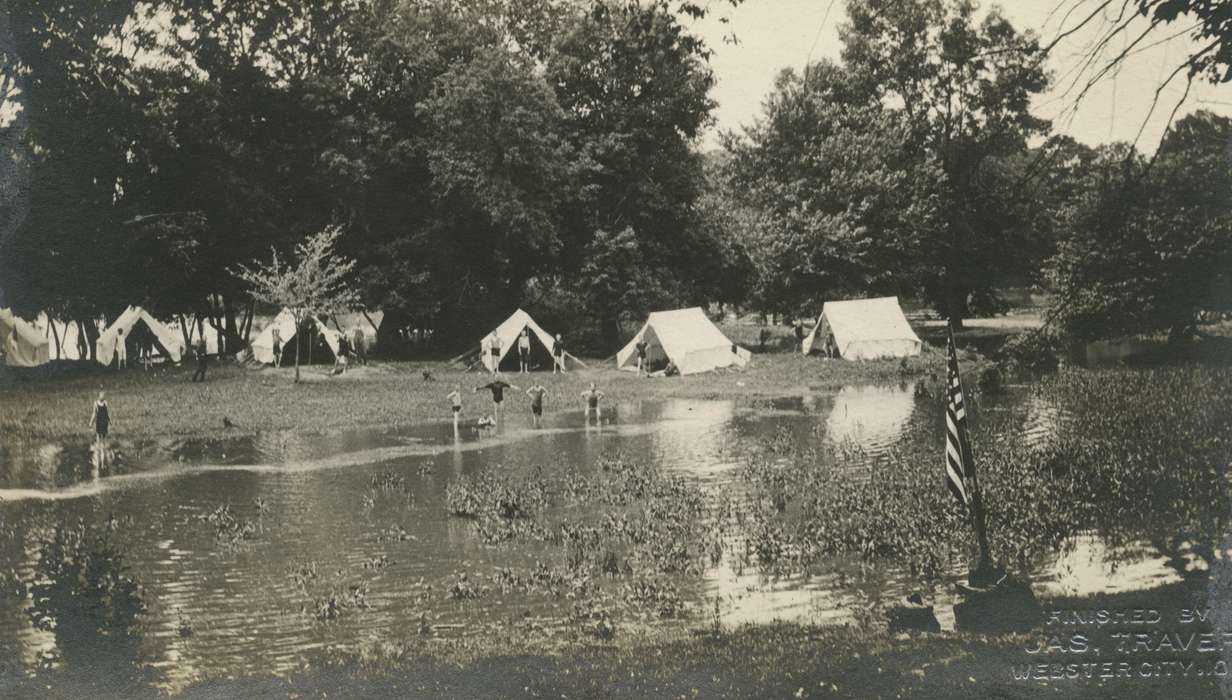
(217, 610)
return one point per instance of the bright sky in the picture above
(775, 34)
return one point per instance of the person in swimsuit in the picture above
(524, 350)
(641, 356)
(100, 423)
(592, 396)
(277, 338)
(455, 399)
(498, 395)
(558, 355)
(536, 394)
(121, 350)
(799, 335)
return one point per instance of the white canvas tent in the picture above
(864, 329)
(24, 345)
(687, 338)
(167, 342)
(73, 345)
(542, 343)
(213, 339)
(262, 347)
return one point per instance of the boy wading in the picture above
(498, 395)
(536, 394)
(100, 423)
(455, 400)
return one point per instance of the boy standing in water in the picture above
(100, 422)
(497, 388)
(536, 393)
(524, 350)
(592, 396)
(455, 399)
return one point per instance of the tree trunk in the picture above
(231, 330)
(51, 323)
(91, 334)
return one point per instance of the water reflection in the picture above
(219, 603)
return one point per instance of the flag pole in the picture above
(984, 573)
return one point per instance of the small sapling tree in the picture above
(315, 281)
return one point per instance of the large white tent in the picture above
(864, 329)
(24, 345)
(167, 342)
(72, 343)
(688, 338)
(262, 347)
(542, 343)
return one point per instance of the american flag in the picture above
(959, 465)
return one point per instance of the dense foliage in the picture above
(1152, 470)
(473, 151)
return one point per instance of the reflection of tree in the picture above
(83, 594)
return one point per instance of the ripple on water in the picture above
(248, 613)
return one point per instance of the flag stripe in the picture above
(958, 467)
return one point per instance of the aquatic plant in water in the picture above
(1138, 453)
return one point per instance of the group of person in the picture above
(523, 347)
(829, 347)
(352, 347)
(536, 393)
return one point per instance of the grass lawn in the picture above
(164, 402)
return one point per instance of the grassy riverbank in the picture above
(165, 403)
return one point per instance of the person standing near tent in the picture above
(524, 350)
(592, 396)
(100, 423)
(344, 354)
(199, 350)
(455, 401)
(641, 356)
(494, 349)
(536, 394)
(558, 355)
(497, 388)
(121, 350)
(276, 339)
(359, 343)
(799, 328)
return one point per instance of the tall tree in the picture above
(1150, 244)
(963, 87)
(843, 201)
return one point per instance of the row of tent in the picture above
(25, 345)
(859, 329)
(855, 330)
